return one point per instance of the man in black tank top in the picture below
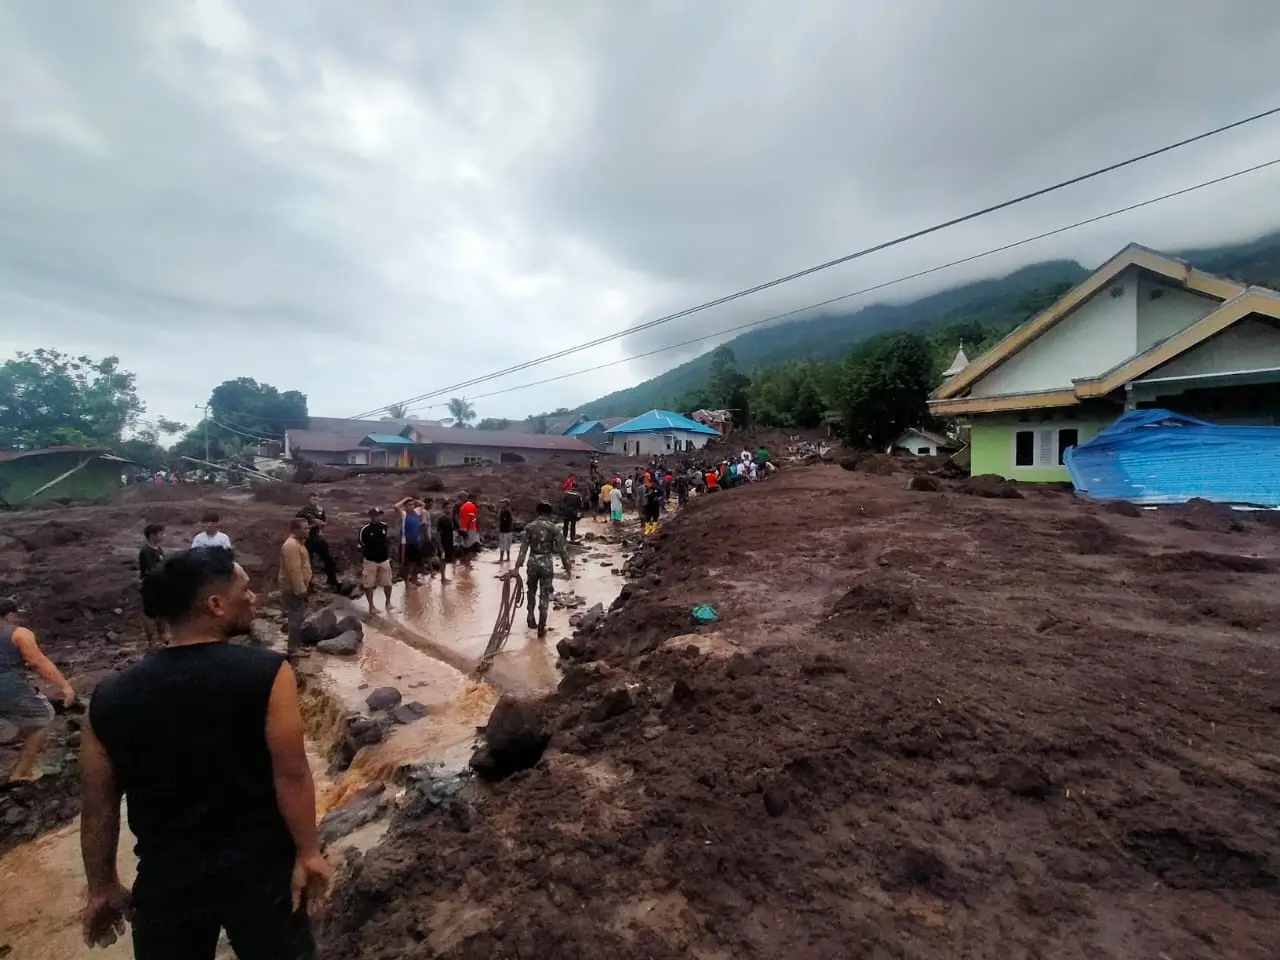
(205, 740)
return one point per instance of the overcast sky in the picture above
(367, 201)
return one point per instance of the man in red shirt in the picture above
(468, 525)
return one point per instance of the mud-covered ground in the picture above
(75, 572)
(927, 725)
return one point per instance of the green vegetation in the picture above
(243, 413)
(50, 399)
(462, 411)
(790, 362)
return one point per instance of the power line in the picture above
(243, 434)
(875, 248)
(888, 283)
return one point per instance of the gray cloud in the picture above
(369, 201)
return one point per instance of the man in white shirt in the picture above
(210, 536)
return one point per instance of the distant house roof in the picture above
(712, 416)
(937, 439)
(586, 426)
(6, 455)
(387, 440)
(661, 421)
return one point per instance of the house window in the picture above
(1067, 438)
(1024, 448)
(668, 438)
(923, 451)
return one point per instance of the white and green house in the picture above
(1144, 330)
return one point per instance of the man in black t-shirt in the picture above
(205, 739)
(317, 546)
(150, 557)
(376, 571)
(506, 528)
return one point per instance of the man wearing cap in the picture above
(541, 542)
(20, 703)
(376, 571)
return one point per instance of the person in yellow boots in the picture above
(652, 508)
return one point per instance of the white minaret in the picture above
(958, 364)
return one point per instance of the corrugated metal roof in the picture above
(500, 439)
(580, 428)
(661, 421)
(1157, 456)
(323, 441)
(388, 439)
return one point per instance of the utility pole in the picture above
(205, 419)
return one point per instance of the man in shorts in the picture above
(376, 571)
(20, 703)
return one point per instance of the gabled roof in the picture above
(937, 439)
(586, 426)
(662, 421)
(324, 441)
(499, 439)
(1133, 255)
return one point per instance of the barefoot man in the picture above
(20, 703)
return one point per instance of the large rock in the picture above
(410, 712)
(515, 738)
(592, 618)
(923, 484)
(351, 624)
(384, 698)
(343, 645)
(321, 625)
(261, 633)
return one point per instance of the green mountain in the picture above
(999, 304)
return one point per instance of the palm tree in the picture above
(398, 411)
(461, 411)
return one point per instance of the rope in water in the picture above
(512, 601)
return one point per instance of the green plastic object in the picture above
(705, 613)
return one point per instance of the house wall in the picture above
(1094, 338)
(96, 481)
(918, 445)
(992, 442)
(335, 458)
(1173, 310)
(659, 443)
(450, 455)
(1251, 405)
(1247, 345)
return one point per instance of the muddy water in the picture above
(428, 647)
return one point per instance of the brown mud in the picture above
(927, 725)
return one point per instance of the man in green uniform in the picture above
(542, 541)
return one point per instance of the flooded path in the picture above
(427, 647)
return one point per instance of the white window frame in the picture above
(1045, 448)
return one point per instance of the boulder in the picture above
(923, 484)
(614, 703)
(384, 698)
(343, 645)
(261, 633)
(365, 731)
(409, 712)
(321, 625)
(592, 618)
(351, 624)
(515, 738)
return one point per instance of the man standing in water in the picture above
(295, 580)
(20, 703)
(376, 571)
(204, 738)
(541, 542)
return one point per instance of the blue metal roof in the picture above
(586, 426)
(1156, 456)
(662, 421)
(388, 439)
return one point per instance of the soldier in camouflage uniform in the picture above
(542, 540)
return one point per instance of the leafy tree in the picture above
(886, 389)
(144, 449)
(728, 386)
(48, 398)
(537, 424)
(808, 405)
(493, 423)
(398, 411)
(241, 413)
(462, 411)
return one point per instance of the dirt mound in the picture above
(874, 602)
(1202, 561)
(1122, 508)
(304, 471)
(1089, 535)
(1197, 514)
(990, 486)
(284, 493)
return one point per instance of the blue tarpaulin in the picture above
(1157, 456)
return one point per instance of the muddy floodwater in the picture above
(428, 647)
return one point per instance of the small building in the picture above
(658, 432)
(721, 421)
(326, 446)
(923, 443)
(595, 432)
(388, 450)
(59, 474)
(1144, 331)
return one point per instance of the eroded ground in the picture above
(927, 725)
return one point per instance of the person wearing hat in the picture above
(20, 703)
(374, 548)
